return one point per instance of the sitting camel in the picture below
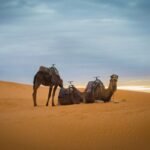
(95, 90)
(69, 96)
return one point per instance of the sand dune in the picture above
(120, 125)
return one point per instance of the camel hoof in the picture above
(53, 105)
(46, 104)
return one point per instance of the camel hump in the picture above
(49, 70)
(44, 69)
(89, 86)
(98, 82)
(53, 69)
(93, 84)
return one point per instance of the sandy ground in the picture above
(120, 125)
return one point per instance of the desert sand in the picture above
(123, 124)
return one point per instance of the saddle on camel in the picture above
(91, 89)
(70, 95)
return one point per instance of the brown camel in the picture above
(48, 77)
(99, 92)
(69, 96)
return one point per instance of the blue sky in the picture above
(84, 38)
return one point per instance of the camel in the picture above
(47, 77)
(97, 91)
(69, 96)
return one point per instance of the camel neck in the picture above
(111, 87)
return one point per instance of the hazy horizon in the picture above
(84, 38)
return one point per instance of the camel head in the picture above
(113, 81)
(56, 79)
(60, 83)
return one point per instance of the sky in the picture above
(84, 38)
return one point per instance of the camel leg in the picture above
(34, 94)
(54, 90)
(49, 95)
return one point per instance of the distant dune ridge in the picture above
(122, 124)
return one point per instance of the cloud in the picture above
(43, 9)
(84, 38)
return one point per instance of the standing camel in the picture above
(48, 77)
(99, 92)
